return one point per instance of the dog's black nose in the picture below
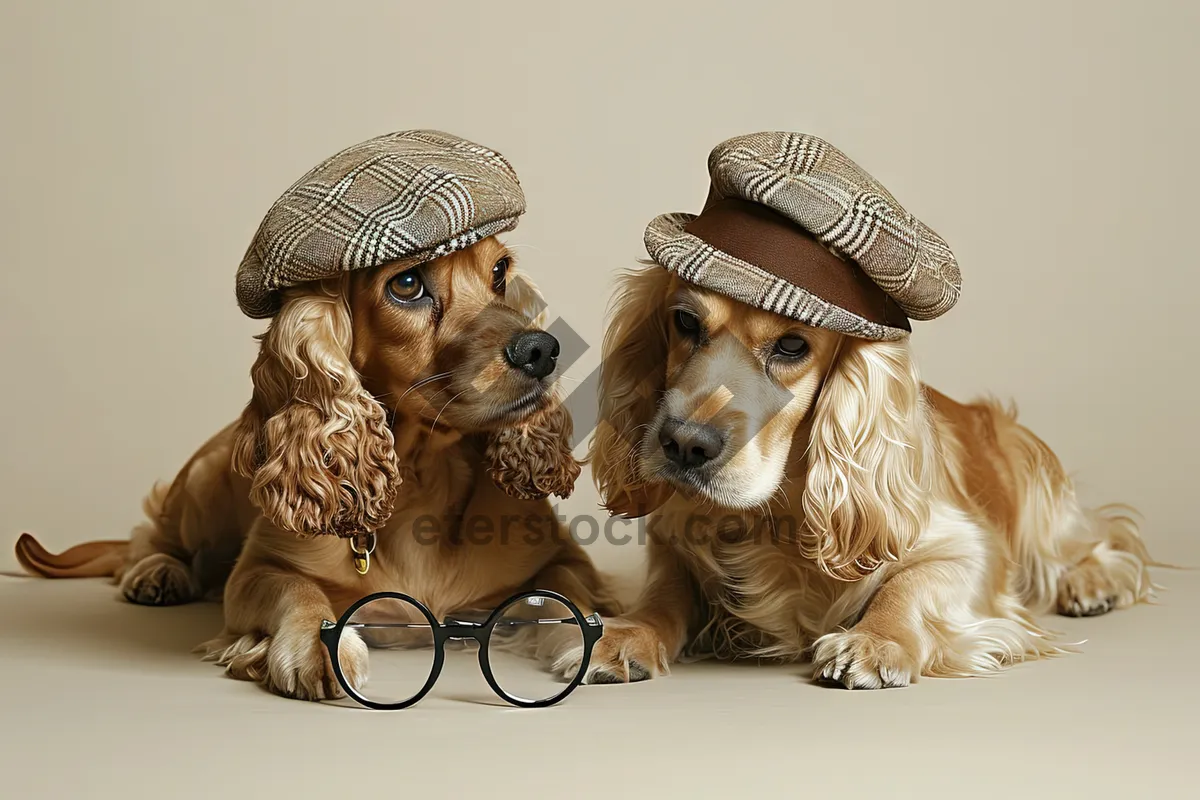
(533, 352)
(690, 444)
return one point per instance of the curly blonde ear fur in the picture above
(316, 445)
(633, 374)
(867, 489)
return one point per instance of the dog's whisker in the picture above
(434, 396)
(422, 382)
(448, 402)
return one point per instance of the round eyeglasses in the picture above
(408, 647)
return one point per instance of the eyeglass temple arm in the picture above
(592, 619)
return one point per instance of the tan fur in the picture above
(635, 349)
(365, 416)
(861, 519)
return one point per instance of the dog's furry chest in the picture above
(761, 599)
(457, 545)
(413, 555)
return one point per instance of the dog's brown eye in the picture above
(500, 274)
(686, 322)
(791, 347)
(407, 287)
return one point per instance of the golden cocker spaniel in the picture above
(384, 398)
(810, 497)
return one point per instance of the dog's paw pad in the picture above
(1087, 607)
(1087, 590)
(290, 663)
(627, 653)
(637, 672)
(298, 665)
(861, 661)
(602, 676)
(158, 580)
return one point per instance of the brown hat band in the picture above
(768, 240)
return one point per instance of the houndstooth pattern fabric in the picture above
(819, 188)
(698, 262)
(406, 197)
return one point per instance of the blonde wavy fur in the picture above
(315, 443)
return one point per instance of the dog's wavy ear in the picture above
(315, 444)
(533, 460)
(866, 496)
(633, 374)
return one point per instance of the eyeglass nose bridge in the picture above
(455, 629)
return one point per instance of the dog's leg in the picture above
(1114, 573)
(272, 635)
(156, 571)
(941, 616)
(887, 647)
(642, 644)
(193, 532)
(1078, 562)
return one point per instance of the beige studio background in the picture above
(1052, 143)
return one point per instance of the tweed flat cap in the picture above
(793, 226)
(411, 196)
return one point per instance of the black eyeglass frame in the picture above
(591, 626)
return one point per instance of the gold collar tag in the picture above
(361, 547)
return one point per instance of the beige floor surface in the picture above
(103, 699)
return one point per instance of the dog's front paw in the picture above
(627, 652)
(861, 660)
(291, 663)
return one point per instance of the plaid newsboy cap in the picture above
(793, 226)
(410, 196)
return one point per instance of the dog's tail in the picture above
(90, 560)
(103, 559)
